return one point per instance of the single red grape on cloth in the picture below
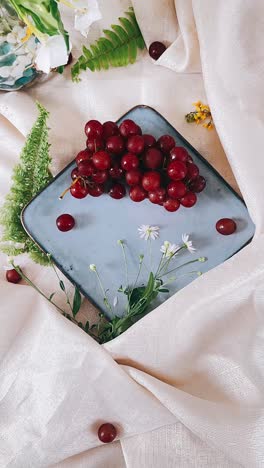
(12, 276)
(107, 433)
(156, 49)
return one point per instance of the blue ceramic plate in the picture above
(100, 222)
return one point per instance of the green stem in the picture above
(37, 289)
(184, 264)
(103, 291)
(64, 290)
(150, 254)
(125, 260)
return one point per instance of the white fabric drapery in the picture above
(184, 385)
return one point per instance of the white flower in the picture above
(188, 243)
(169, 249)
(93, 267)
(52, 53)
(86, 12)
(147, 232)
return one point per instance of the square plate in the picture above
(100, 222)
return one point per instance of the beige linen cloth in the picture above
(184, 385)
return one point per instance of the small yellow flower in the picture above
(201, 114)
(197, 104)
(29, 32)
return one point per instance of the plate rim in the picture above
(186, 142)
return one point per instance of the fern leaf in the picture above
(29, 177)
(117, 48)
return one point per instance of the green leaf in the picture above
(29, 176)
(117, 48)
(77, 301)
(62, 285)
(164, 290)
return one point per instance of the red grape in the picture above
(151, 181)
(95, 144)
(136, 144)
(226, 226)
(129, 161)
(93, 129)
(96, 190)
(115, 144)
(116, 172)
(166, 143)
(128, 128)
(156, 49)
(177, 170)
(198, 185)
(158, 196)
(192, 171)
(153, 158)
(179, 153)
(149, 140)
(107, 433)
(176, 189)
(133, 177)
(79, 190)
(137, 193)
(75, 173)
(110, 129)
(85, 169)
(117, 191)
(100, 177)
(189, 200)
(101, 160)
(171, 204)
(65, 222)
(12, 276)
(83, 156)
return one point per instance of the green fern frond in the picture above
(117, 48)
(29, 177)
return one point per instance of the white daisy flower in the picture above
(147, 232)
(169, 249)
(188, 243)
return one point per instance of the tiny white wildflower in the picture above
(188, 243)
(93, 267)
(147, 232)
(169, 249)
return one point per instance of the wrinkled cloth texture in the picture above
(184, 385)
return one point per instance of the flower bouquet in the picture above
(33, 39)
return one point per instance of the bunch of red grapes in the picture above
(116, 157)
